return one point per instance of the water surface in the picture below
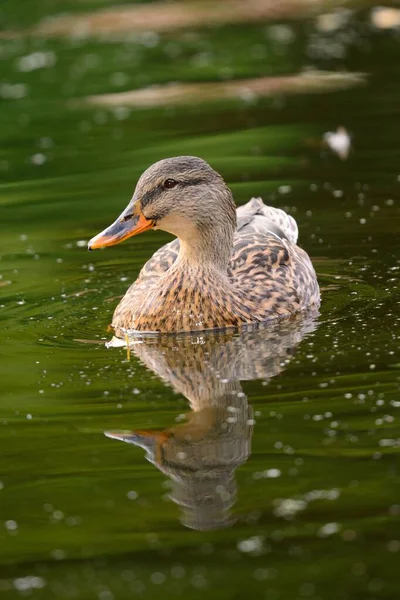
(298, 427)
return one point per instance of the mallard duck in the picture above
(229, 267)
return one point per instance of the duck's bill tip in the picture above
(125, 227)
(100, 241)
(95, 244)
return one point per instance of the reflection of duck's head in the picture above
(182, 195)
(200, 457)
(201, 454)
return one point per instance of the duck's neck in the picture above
(209, 248)
(205, 223)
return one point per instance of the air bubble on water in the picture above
(45, 143)
(318, 417)
(30, 582)
(198, 581)
(253, 545)
(394, 546)
(332, 494)
(119, 79)
(72, 521)
(38, 159)
(121, 113)
(288, 507)
(150, 39)
(272, 473)
(260, 574)
(328, 529)
(35, 61)
(57, 554)
(284, 189)
(13, 91)
(11, 525)
(389, 443)
(58, 515)
(178, 572)
(105, 595)
(349, 535)
(247, 95)
(283, 34)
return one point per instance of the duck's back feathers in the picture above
(256, 217)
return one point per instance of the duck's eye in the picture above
(170, 183)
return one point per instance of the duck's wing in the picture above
(256, 217)
(267, 265)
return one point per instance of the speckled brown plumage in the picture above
(228, 268)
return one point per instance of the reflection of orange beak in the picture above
(151, 440)
(131, 222)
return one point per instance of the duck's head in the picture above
(182, 195)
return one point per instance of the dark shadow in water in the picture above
(201, 454)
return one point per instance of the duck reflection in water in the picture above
(201, 454)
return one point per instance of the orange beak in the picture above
(131, 222)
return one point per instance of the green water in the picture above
(306, 463)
